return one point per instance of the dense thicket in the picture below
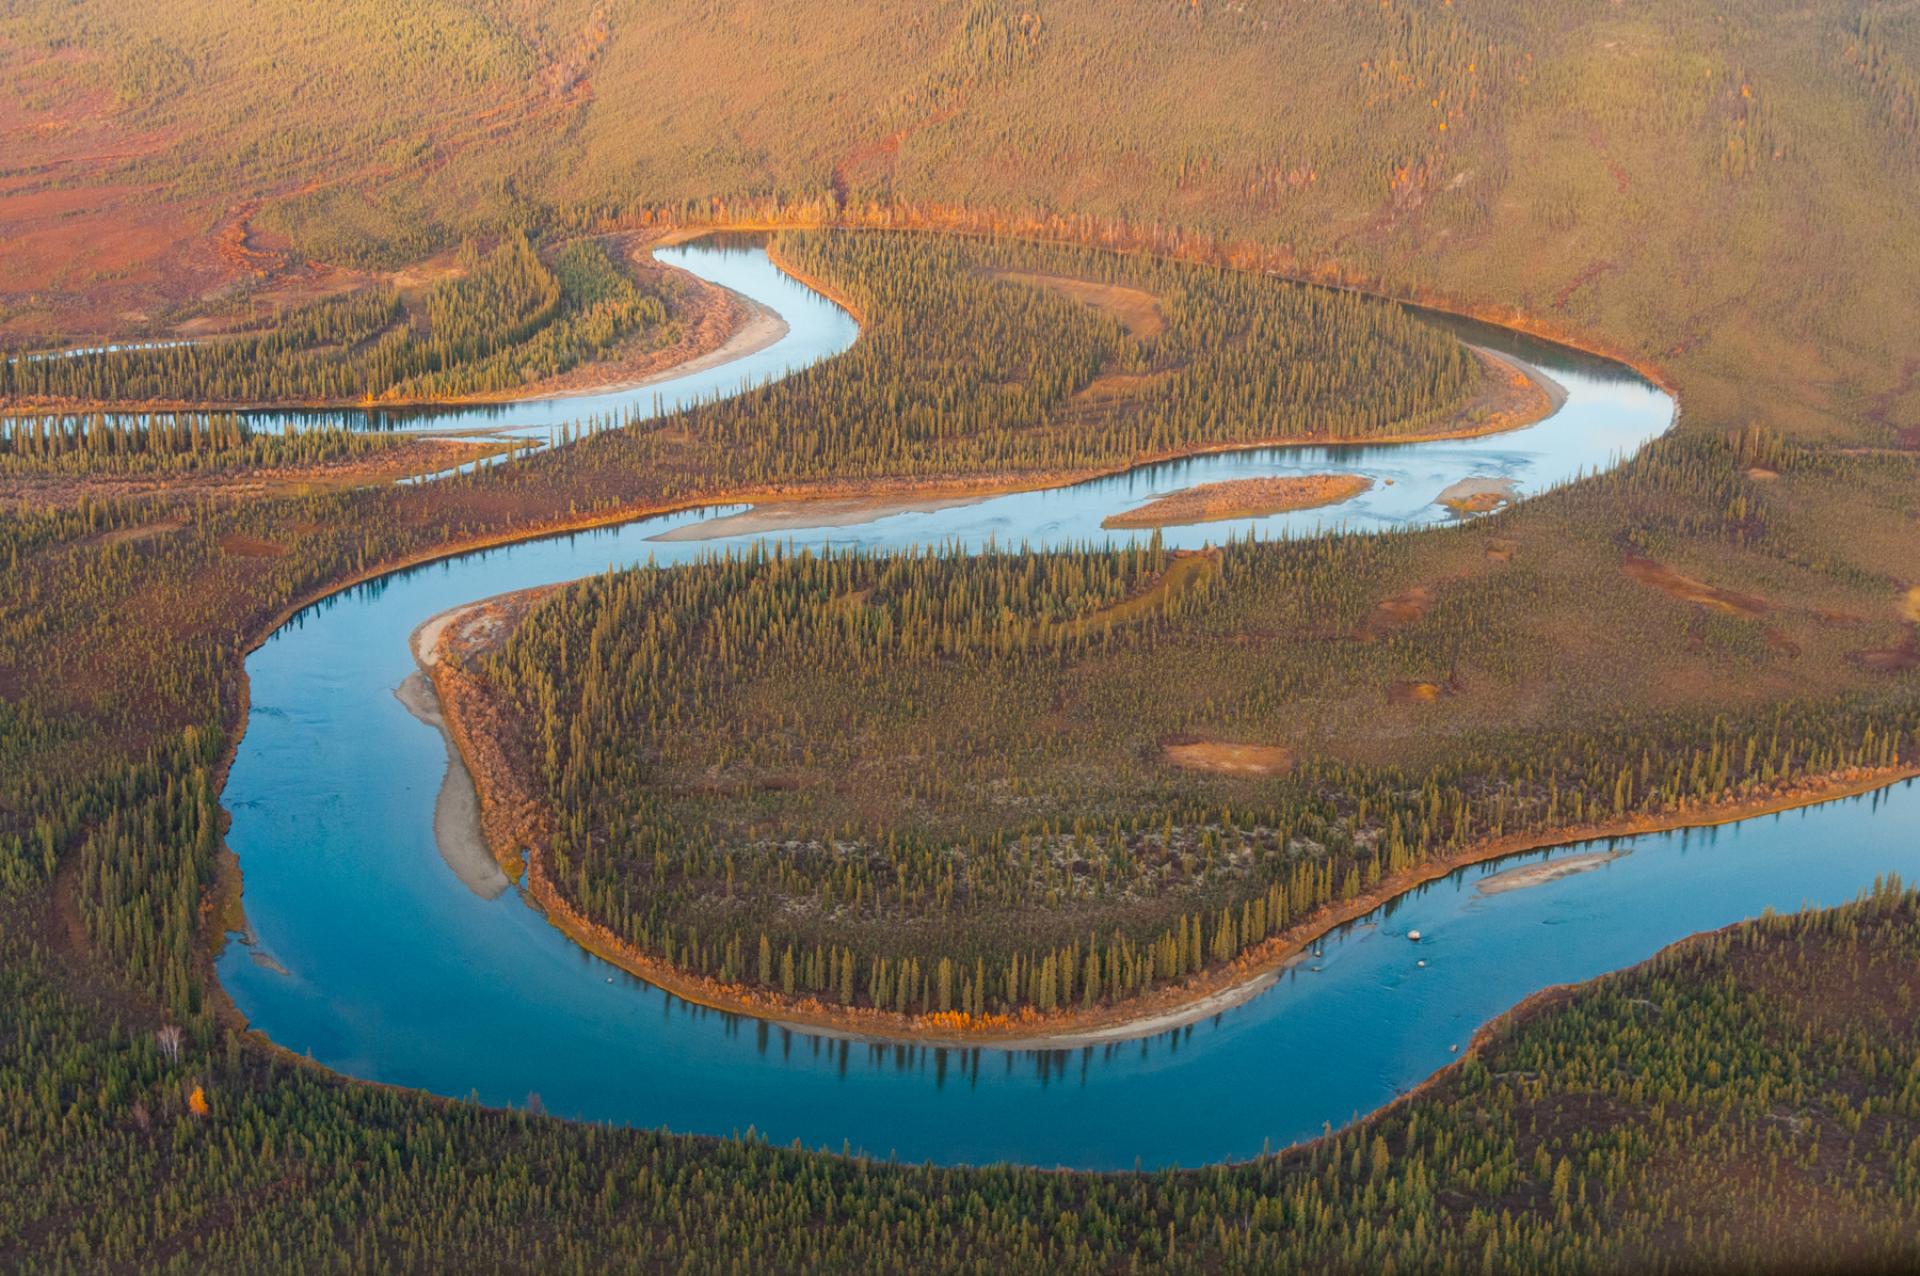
(502, 319)
(969, 362)
(168, 443)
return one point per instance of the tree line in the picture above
(168, 443)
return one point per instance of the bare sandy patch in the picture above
(1115, 386)
(459, 826)
(1073, 1039)
(1477, 495)
(426, 639)
(1688, 590)
(1515, 879)
(1408, 692)
(723, 326)
(1513, 394)
(1137, 310)
(718, 326)
(457, 831)
(1890, 659)
(1242, 498)
(1524, 380)
(1223, 757)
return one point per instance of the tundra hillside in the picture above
(1722, 191)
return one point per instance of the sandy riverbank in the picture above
(1556, 394)
(758, 328)
(1478, 494)
(457, 831)
(1242, 498)
(1193, 1012)
(1518, 879)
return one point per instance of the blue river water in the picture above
(369, 954)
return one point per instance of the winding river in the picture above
(369, 954)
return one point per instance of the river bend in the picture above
(370, 955)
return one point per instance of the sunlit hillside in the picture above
(1723, 190)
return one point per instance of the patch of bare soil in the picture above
(474, 629)
(1137, 310)
(1513, 394)
(1478, 495)
(1904, 657)
(1397, 612)
(1242, 498)
(505, 819)
(1115, 386)
(1417, 692)
(1222, 757)
(1688, 590)
(1552, 870)
(250, 547)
